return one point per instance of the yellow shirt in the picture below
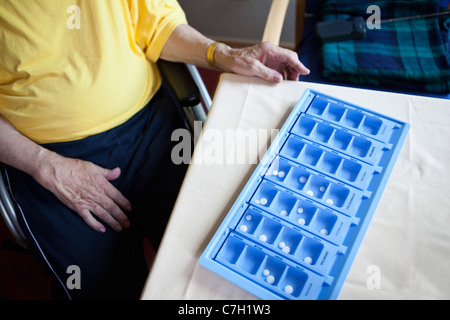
(73, 68)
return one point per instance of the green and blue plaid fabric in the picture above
(408, 54)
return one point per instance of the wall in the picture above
(237, 22)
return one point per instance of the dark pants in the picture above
(111, 264)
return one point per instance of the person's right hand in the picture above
(264, 60)
(86, 189)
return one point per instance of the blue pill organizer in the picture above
(295, 229)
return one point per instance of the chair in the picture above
(276, 18)
(194, 103)
(8, 212)
(188, 86)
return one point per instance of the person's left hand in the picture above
(264, 60)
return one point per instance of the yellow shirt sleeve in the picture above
(153, 22)
(70, 71)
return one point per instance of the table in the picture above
(406, 251)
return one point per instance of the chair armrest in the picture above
(181, 82)
(186, 90)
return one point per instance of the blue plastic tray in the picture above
(297, 225)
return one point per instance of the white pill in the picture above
(263, 201)
(263, 238)
(275, 172)
(281, 244)
(281, 174)
(303, 179)
(270, 279)
(309, 192)
(288, 289)
(284, 213)
(324, 232)
(266, 272)
(322, 189)
(257, 201)
(248, 217)
(243, 228)
(300, 210)
(286, 249)
(329, 201)
(308, 260)
(301, 221)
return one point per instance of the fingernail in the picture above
(278, 78)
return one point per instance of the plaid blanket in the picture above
(411, 54)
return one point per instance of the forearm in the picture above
(264, 60)
(20, 152)
(80, 185)
(186, 45)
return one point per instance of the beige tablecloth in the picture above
(406, 251)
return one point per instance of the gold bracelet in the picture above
(210, 54)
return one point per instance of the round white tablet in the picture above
(309, 192)
(324, 232)
(248, 217)
(301, 221)
(284, 213)
(288, 289)
(243, 228)
(300, 210)
(329, 201)
(302, 179)
(263, 201)
(322, 189)
(263, 238)
(270, 279)
(281, 174)
(308, 260)
(281, 244)
(266, 272)
(286, 249)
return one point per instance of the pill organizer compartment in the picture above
(340, 139)
(295, 228)
(285, 239)
(352, 117)
(322, 159)
(313, 185)
(299, 211)
(274, 274)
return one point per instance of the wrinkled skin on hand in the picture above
(86, 189)
(264, 60)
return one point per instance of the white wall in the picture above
(236, 21)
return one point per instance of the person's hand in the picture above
(86, 189)
(264, 60)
